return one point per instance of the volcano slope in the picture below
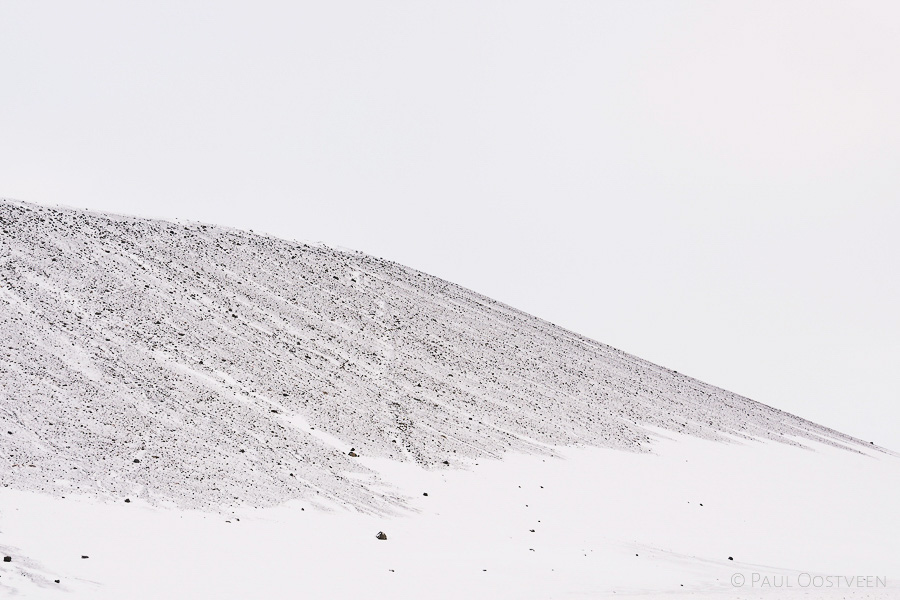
(210, 367)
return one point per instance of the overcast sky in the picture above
(712, 186)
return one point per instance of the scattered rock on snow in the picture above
(489, 348)
(381, 535)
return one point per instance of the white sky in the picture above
(712, 186)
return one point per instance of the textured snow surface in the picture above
(213, 368)
(596, 523)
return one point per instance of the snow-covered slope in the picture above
(214, 367)
(179, 402)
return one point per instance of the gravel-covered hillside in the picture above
(210, 367)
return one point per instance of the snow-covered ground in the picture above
(587, 523)
(210, 413)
